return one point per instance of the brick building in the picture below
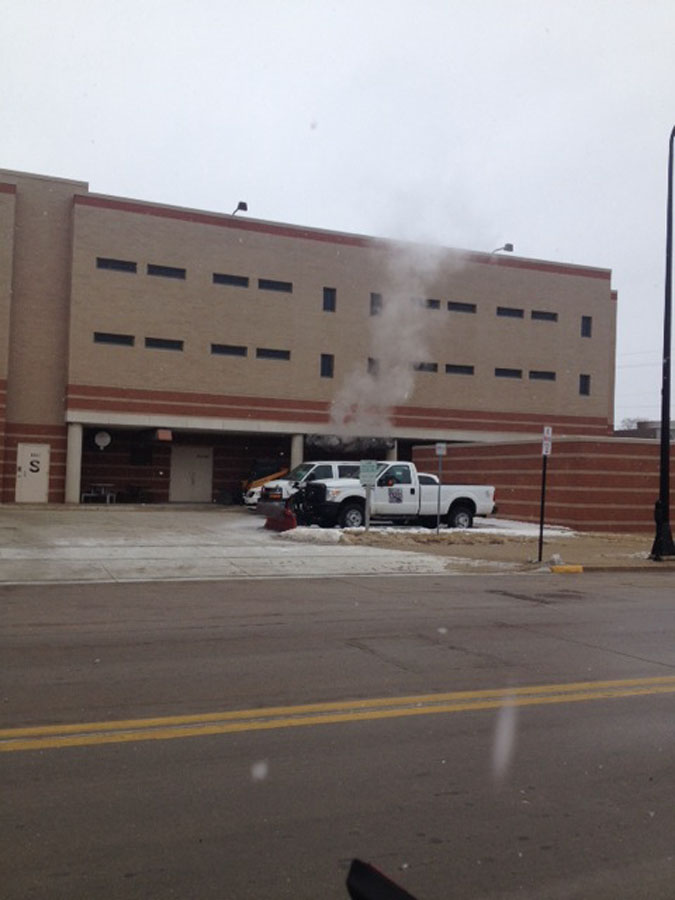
(159, 351)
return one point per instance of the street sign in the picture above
(368, 472)
(441, 449)
(547, 441)
(546, 444)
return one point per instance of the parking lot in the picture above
(108, 543)
(115, 543)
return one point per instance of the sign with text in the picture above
(441, 449)
(547, 441)
(368, 472)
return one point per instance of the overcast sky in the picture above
(466, 123)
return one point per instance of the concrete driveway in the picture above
(127, 543)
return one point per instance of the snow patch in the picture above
(313, 535)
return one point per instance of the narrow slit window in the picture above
(373, 366)
(116, 265)
(541, 375)
(375, 304)
(232, 280)
(229, 350)
(329, 299)
(587, 326)
(166, 271)
(107, 337)
(270, 284)
(508, 373)
(510, 312)
(271, 353)
(585, 385)
(455, 369)
(155, 343)
(425, 367)
(461, 307)
(543, 315)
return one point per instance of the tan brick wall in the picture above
(52, 231)
(199, 312)
(7, 205)
(7, 209)
(38, 333)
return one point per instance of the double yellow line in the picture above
(49, 737)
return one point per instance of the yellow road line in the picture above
(47, 737)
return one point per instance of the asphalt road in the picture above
(473, 737)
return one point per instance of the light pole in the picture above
(508, 248)
(663, 541)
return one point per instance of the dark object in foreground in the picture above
(364, 882)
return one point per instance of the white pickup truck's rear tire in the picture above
(460, 516)
(352, 515)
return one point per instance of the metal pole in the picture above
(663, 541)
(544, 462)
(438, 503)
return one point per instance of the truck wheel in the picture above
(352, 515)
(460, 517)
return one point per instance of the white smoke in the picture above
(400, 336)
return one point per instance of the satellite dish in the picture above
(102, 439)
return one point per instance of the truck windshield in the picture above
(299, 472)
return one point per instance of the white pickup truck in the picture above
(400, 494)
(282, 489)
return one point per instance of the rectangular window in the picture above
(452, 369)
(229, 350)
(432, 304)
(458, 306)
(166, 271)
(508, 373)
(233, 280)
(329, 299)
(375, 304)
(268, 353)
(586, 326)
(585, 385)
(510, 312)
(105, 337)
(269, 284)
(327, 363)
(544, 316)
(373, 366)
(118, 265)
(163, 343)
(349, 470)
(539, 375)
(425, 367)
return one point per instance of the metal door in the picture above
(191, 474)
(32, 473)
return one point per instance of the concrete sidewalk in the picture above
(93, 543)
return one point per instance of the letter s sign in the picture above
(34, 465)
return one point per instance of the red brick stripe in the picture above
(313, 234)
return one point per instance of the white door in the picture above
(395, 494)
(32, 473)
(191, 474)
